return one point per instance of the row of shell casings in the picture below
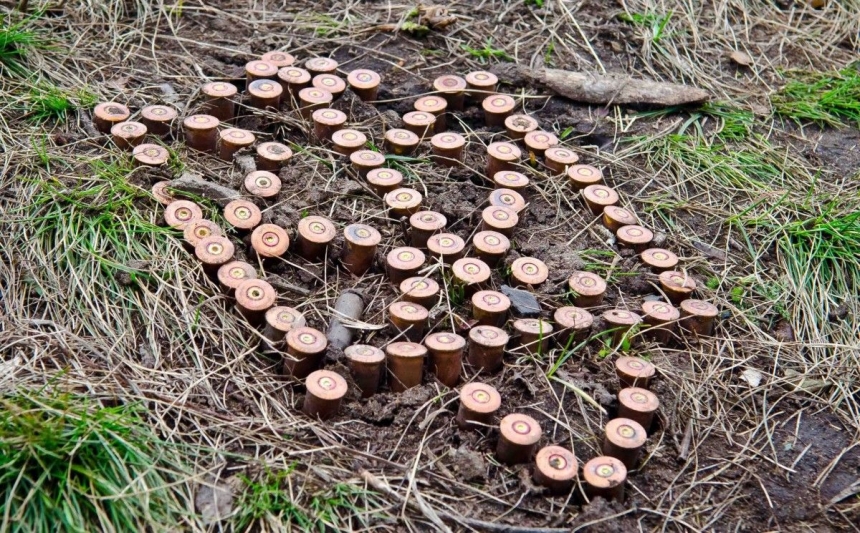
(554, 467)
(405, 363)
(447, 148)
(504, 156)
(519, 434)
(254, 297)
(678, 286)
(314, 235)
(442, 353)
(600, 199)
(329, 125)
(201, 132)
(202, 129)
(154, 121)
(242, 214)
(488, 341)
(451, 93)
(275, 79)
(625, 436)
(284, 328)
(314, 85)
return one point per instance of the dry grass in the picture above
(77, 225)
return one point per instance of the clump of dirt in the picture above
(468, 464)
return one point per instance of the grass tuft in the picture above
(96, 232)
(16, 40)
(736, 124)
(826, 247)
(825, 98)
(653, 23)
(747, 168)
(48, 102)
(487, 53)
(269, 499)
(67, 464)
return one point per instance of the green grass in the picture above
(600, 263)
(824, 249)
(418, 30)
(736, 124)
(751, 167)
(550, 50)
(654, 23)
(818, 246)
(270, 499)
(456, 292)
(94, 232)
(17, 39)
(324, 25)
(534, 3)
(69, 464)
(824, 98)
(733, 123)
(487, 53)
(102, 216)
(48, 102)
(267, 496)
(608, 342)
(800, 232)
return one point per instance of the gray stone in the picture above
(523, 303)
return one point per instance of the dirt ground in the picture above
(741, 443)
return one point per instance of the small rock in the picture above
(605, 234)
(463, 325)
(169, 92)
(147, 359)
(523, 303)
(391, 119)
(741, 58)
(469, 464)
(659, 239)
(783, 332)
(62, 139)
(838, 314)
(752, 376)
(129, 277)
(246, 164)
(214, 501)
